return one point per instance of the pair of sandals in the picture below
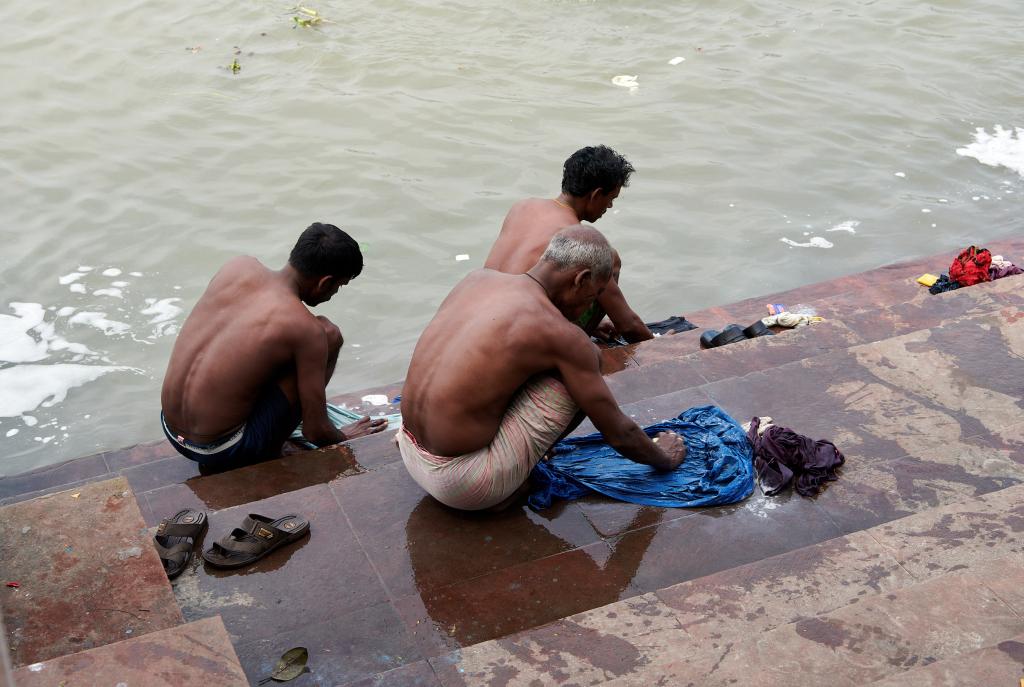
(257, 536)
(733, 333)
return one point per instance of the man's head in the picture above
(595, 175)
(581, 261)
(327, 258)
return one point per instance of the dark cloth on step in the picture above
(675, 324)
(718, 468)
(780, 454)
(942, 285)
(1000, 272)
(971, 266)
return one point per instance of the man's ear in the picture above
(324, 284)
(592, 197)
(582, 278)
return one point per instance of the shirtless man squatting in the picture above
(501, 374)
(592, 179)
(251, 360)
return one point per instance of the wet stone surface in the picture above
(87, 572)
(198, 653)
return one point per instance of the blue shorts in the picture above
(268, 426)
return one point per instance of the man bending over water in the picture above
(500, 373)
(592, 178)
(251, 360)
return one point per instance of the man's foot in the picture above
(364, 427)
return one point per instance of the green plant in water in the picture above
(235, 67)
(307, 17)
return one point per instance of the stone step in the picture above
(198, 653)
(1002, 664)
(86, 573)
(859, 608)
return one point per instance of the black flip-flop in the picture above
(757, 329)
(176, 537)
(731, 334)
(258, 536)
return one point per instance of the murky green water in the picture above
(129, 146)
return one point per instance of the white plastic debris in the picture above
(461, 256)
(626, 81)
(676, 60)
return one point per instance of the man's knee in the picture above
(334, 338)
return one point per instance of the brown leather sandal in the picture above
(258, 536)
(176, 537)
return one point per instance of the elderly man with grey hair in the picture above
(501, 374)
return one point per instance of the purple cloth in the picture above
(1000, 272)
(780, 454)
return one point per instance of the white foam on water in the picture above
(113, 293)
(162, 310)
(901, 175)
(461, 256)
(815, 242)
(12, 432)
(849, 225)
(1001, 148)
(77, 288)
(71, 277)
(24, 388)
(29, 420)
(119, 284)
(111, 272)
(135, 274)
(65, 311)
(99, 321)
(16, 344)
(677, 60)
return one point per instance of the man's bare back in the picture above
(466, 368)
(525, 234)
(592, 179)
(251, 360)
(494, 333)
(239, 338)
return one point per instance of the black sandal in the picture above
(176, 537)
(258, 536)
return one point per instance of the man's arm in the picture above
(580, 368)
(311, 374)
(627, 323)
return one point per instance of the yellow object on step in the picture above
(928, 280)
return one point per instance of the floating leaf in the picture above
(235, 67)
(291, 664)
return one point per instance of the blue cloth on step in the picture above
(719, 467)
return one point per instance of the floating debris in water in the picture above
(626, 81)
(235, 67)
(461, 256)
(306, 17)
(849, 225)
(676, 60)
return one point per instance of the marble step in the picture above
(890, 603)
(85, 571)
(198, 653)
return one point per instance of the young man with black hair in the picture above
(251, 360)
(592, 178)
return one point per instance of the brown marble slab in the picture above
(198, 653)
(314, 580)
(418, 545)
(87, 571)
(583, 649)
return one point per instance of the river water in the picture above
(776, 144)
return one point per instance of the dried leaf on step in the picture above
(291, 664)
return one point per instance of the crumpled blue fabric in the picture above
(719, 467)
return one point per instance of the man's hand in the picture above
(671, 444)
(363, 427)
(606, 331)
